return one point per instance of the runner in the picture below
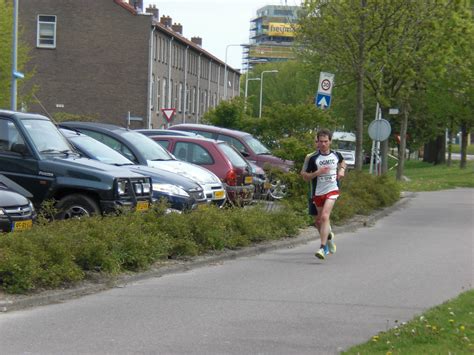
(323, 169)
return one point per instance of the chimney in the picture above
(178, 28)
(166, 21)
(154, 11)
(137, 5)
(197, 40)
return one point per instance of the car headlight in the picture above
(146, 188)
(138, 188)
(122, 187)
(30, 204)
(170, 189)
(2, 212)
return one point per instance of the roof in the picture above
(210, 128)
(172, 33)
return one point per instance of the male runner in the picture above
(324, 168)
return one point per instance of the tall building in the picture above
(112, 59)
(272, 33)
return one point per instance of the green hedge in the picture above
(60, 253)
(63, 252)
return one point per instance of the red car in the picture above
(217, 156)
(249, 146)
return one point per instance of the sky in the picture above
(218, 22)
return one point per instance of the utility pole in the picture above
(15, 75)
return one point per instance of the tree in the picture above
(6, 34)
(393, 48)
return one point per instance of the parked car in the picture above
(345, 143)
(16, 210)
(166, 132)
(180, 192)
(250, 147)
(35, 155)
(144, 151)
(217, 156)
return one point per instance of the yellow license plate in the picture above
(248, 179)
(22, 225)
(142, 205)
(267, 185)
(219, 194)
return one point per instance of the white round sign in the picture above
(379, 130)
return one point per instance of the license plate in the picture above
(142, 205)
(22, 225)
(267, 185)
(248, 179)
(219, 194)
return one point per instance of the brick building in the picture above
(108, 58)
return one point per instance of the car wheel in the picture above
(77, 206)
(278, 190)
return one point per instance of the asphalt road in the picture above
(283, 301)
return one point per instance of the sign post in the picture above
(323, 96)
(379, 130)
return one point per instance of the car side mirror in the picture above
(19, 148)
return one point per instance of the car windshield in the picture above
(256, 145)
(234, 157)
(46, 137)
(147, 147)
(344, 145)
(99, 151)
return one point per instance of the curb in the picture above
(14, 302)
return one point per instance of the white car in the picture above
(144, 151)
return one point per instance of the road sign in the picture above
(326, 82)
(168, 113)
(379, 130)
(322, 100)
(323, 96)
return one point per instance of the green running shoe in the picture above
(320, 254)
(331, 244)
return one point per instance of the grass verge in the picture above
(428, 177)
(445, 329)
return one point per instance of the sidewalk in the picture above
(18, 302)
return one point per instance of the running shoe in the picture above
(320, 254)
(331, 245)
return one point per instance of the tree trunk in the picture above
(403, 143)
(435, 151)
(463, 162)
(360, 92)
(450, 141)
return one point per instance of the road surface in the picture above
(280, 302)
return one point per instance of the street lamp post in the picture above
(225, 67)
(261, 89)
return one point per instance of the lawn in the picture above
(445, 329)
(428, 177)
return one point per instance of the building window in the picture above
(46, 31)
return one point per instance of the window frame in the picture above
(38, 31)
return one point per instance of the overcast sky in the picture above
(218, 22)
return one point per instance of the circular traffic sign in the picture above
(326, 84)
(379, 130)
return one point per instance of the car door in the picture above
(18, 163)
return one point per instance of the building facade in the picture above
(272, 34)
(111, 61)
